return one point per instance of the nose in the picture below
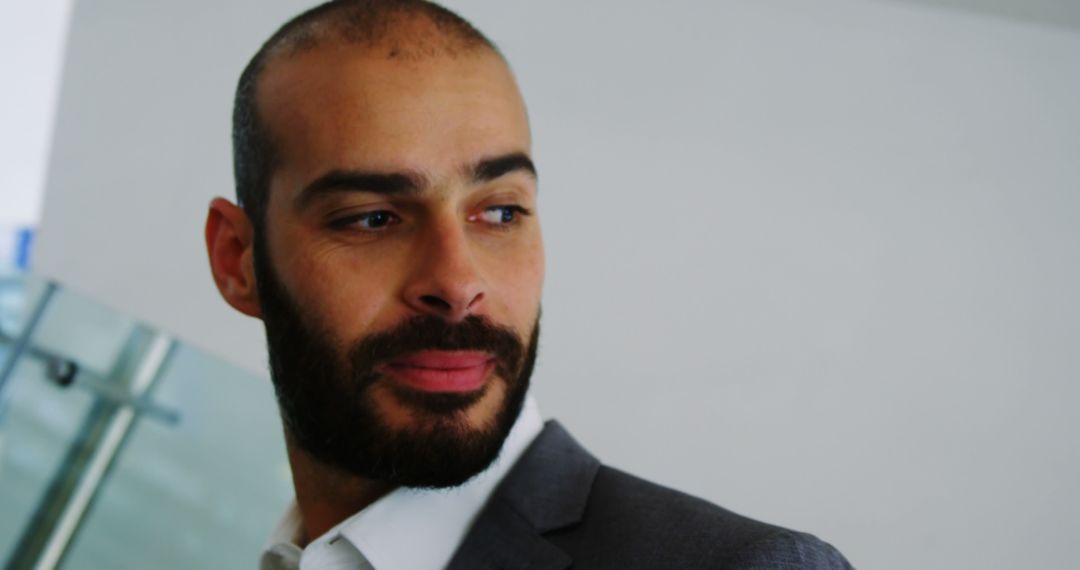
(445, 280)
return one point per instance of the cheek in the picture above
(346, 294)
(347, 305)
(519, 287)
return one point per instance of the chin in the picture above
(406, 409)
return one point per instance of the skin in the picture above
(444, 249)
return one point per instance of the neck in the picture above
(325, 495)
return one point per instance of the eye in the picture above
(367, 221)
(502, 215)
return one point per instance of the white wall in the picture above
(31, 48)
(816, 262)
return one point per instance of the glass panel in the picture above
(39, 419)
(204, 493)
(201, 492)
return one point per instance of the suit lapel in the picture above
(546, 490)
(501, 539)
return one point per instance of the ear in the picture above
(229, 242)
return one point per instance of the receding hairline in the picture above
(393, 33)
(405, 37)
(399, 44)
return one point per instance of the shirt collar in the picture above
(389, 530)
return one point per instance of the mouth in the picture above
(440, 371)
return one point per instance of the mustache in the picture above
(428, 332)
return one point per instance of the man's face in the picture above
(401, 263)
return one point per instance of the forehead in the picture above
(342, 106)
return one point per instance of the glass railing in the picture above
(121, 448)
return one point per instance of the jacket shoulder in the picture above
(633, 523)
(789, 549)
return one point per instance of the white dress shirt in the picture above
(408, 529)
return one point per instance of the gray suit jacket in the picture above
(560, 508)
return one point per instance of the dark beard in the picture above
(326, 403)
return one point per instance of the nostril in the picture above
(479, 297)
(436, 302)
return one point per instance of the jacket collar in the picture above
(546, 490)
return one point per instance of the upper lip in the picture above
(443, 359)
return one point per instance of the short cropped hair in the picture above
(368, 23)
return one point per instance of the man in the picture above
(388, 237)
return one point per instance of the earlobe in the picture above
(229, 242)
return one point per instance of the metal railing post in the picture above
(48, 536)
(22, 342)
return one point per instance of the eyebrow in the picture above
(390, 184)
(491, 168)
(408, 182)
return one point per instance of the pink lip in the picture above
(442, 371)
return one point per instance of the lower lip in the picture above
(455, 379)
